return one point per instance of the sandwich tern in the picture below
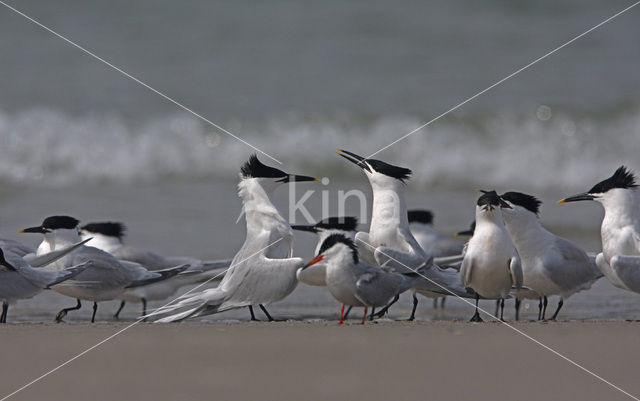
(551, 265)
(620, 229)
(260, 273)
(491, 265)
(106, 277)
(389, 242)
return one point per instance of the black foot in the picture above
(476, 318)
(253, 316)
(63, 312)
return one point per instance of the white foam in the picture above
(41, 145)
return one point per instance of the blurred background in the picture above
(298, 80)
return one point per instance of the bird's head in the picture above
(377, 171)
(490, 202)
(108, 230)
(420, 216)
(55, 225)
(333, 246)
(521, 203)
(615, 189)
(269, 177)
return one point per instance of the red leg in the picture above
(365, 315)
(341, 314)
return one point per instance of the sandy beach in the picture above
(321, 360)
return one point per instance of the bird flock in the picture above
(509, 255)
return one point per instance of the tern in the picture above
(491, 265)
(389, 242)
(551, 265)
(620, 229)
(18, 280)
(261, 272)
(108, 236)
(106, 277)
(357, 283)
(346, 226)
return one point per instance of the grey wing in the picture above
(627, 268)
(573, 268)
(515, 270)
(15, 247)
(146, 258)
(466, 270)
(375, 287)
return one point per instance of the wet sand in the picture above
(321, 360)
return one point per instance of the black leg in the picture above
(435, 303)
(384, 310)
(544, 306)
(476, 316)
(346, 314)
(497, 307)
(518, 302)
(264, 310)
(415, 306)
(253, 316)
(144, 307)
(117, 315)
(63, 312)
(373, 313)
(442, 301)
(560, 303)
(95, 309)
(540, 309)
(502, 309)
(5, 309)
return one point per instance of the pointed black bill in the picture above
(355, 159)
(580, 197)
(310, 229)
(299, 178)
(466, 233)
(39, 230)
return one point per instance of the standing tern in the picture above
(389, 242)
(18, 280)
(491, 265)
(108, 236)
(620, 230)
(357, 283)
(106, 277)
(261, 272)
(346, 226)
(551, 265)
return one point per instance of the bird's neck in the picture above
(622, 209)
(526, 231)
(389, 209)
(259, 212)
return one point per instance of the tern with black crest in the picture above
(264, 270)
(491, 265)
(551, 265)
(620, 229)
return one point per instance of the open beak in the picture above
(299, 178)
(580, 197)
(313, 261)
(310, 229)
(39, 230)
(355, 159)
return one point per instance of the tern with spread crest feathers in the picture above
(389, 242)
(620, 230)
(263, 271)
